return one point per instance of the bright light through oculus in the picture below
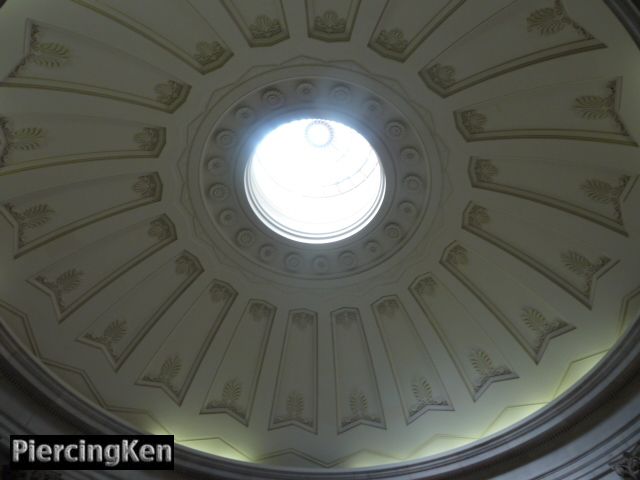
(315, 181)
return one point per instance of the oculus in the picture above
(314, 180)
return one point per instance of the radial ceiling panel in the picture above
(504, 251)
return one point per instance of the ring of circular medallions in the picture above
(227, 141)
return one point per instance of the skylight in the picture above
(315, 180)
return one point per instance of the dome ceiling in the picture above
(501, 265)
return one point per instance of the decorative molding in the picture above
(167, 93)
(551, 20)
(599, 186)
(574, 262)
(65, 283)
(79, 276)
(533, 332)
(262, 23)
(128, 320)
(233, 388)
(43, 54)
(535, 114)
(24, 139)
(31, 141)
(295, 397)
(416, 377)
(30, 218)
(228, 215)
(50, 47)
(72, 211)
(358, 399)
(390, 40)
(543, 328)
(188, 342)
(483, 170)
(332, 23)
(547, 426)
(446, 74)
(474, 354)
(150, 138)
(487, 372)
(472, 121)
(205, 56)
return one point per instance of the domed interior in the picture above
(477, 255)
